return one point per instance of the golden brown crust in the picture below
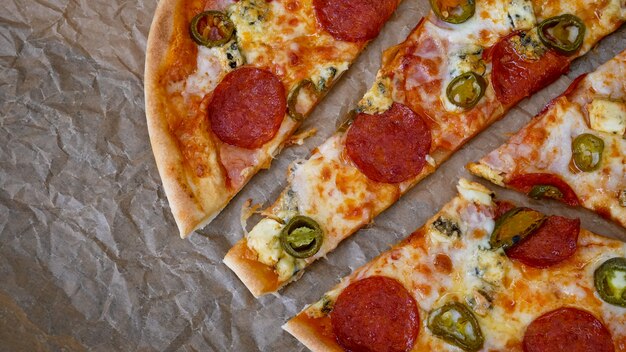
(309, 335)
(189, 212)
(259, 278)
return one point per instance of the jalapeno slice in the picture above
(545, 191)
(302, 237)
(453, 11)
(292, 101)
(456, 324)
(211, 28)
(514, 225)
(587, 152)
(557, 33)
(466, 90)
(610, 281)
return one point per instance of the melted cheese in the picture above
(545, 145)
(492, 20)
(505, 295)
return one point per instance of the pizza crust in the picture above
(309, 336)
(191, 212)
(258, 277)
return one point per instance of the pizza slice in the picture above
(450, 79)
(574, 150)
(227, 82)
(480, 275)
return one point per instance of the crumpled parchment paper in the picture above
(90, 258)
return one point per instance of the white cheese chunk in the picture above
(607, 116)
(474, 192)
(264, 239)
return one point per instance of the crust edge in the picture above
(308, 336)
(188, 215)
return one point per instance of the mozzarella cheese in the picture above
(212, 65)
(607, 116)
(505, 295)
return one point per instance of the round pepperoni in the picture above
(247, 107)
(375, 314)
(389, 147)
(550, 244)
(353, 20)
(525, 182)
(567, 329)
(515, 77)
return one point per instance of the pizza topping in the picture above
(610, 281)
(247, 107)
(622, 198)
(587, 152)
(514, 226)
(545, 191)
(447, 227)
(353, 20)
(525, 182)
(211, 28)
(466, 90)
(456, 324)
(302, 237)
(378, 99)
(301, 99)
(389, 147)
(550, 244)
(375, 314)
(567, 329)
(521, 65)
(563, 33)
(608, 116)
(453, 11)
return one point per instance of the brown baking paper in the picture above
(90, 257)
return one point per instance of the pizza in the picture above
(574, 150)
(480, 275)
(460, 69)
(227, 83)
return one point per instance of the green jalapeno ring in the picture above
(545, 191)
(467, 8)
(603, 277)
(515, 225)
(302, 237)
(443, 324)
(215, 19)
(292, 100)
(466, 90)
(587, 152)
(560, 41)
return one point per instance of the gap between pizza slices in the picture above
(227, 83)
(574, 150)
(434, 92)
(481, 274)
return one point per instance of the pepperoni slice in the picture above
(354, 20)
(550, 244)
(247, 107)
(389, 147)
(567, 329)
(515, 77)
(375, 314)
(525, 182)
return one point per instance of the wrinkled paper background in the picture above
(90, 258)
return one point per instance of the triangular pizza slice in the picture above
(574, 150)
